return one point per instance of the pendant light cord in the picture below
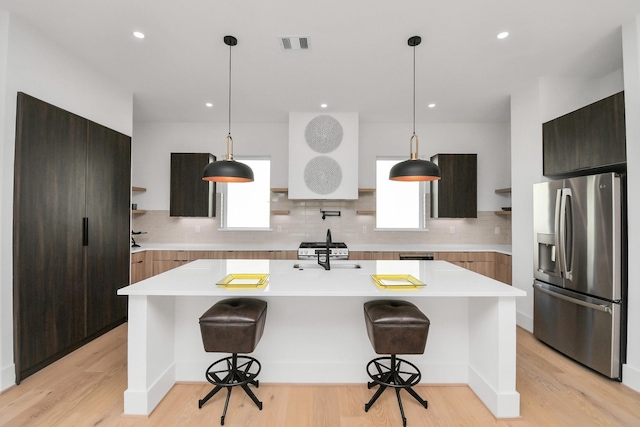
(230, 89)
(414, 90)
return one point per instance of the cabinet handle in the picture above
(137, 262)
(85, 231)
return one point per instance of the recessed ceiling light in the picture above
(432, 105)
(138, 34)
(323, 105)
(503, 35)
(209, 104)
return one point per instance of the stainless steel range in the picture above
(310, 250)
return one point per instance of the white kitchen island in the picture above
(315, 330)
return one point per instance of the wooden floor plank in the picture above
(86, 388)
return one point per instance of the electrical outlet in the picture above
(452, 230)
(364, 229)
(496, 230)
(279, 229)
(197, 228)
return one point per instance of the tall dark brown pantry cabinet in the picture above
(71, 232)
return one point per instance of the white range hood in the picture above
(323, 156)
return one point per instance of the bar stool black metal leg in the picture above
(404, 419)
(415, 395)
(208, 396)
(226, 405)
(375, 397)
(214, 390)
(252, 396)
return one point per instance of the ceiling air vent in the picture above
(294, 43)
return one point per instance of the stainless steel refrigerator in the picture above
(580, 269)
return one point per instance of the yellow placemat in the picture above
(244, 281)
(396, 281)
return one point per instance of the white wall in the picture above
(31, 63)
(153, 143)
(561, 95)
(7, 373)
(631, 51)
(526, 161)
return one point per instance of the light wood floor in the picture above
(86, 389)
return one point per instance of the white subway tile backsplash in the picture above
(305, 222)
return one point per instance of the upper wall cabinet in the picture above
(589, 139)
(190, 195)
(455, 195)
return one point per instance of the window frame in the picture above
(225, 197)
(422, 194)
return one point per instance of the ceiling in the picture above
(358, 58)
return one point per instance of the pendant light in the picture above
(414, 169)
(228, 170)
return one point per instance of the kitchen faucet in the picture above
(326, 264)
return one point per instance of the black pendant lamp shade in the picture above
(414, 169)
(228, 170)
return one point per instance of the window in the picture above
(247, 205)
(399, 205)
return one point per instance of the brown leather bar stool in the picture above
(233, 326)
(395, 327)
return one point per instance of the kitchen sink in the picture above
(334, 266)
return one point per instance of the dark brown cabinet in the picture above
(591, 138)
(71, 232)
(107, 205)
(455, 195)
(190, 195)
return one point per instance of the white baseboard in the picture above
(142, 402)
(501, 405)
(8, 377)
(631, 377)
(524, 321)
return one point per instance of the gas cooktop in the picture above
(306, 245)
(310, 250)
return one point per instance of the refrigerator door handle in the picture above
(558, 232)
(598, 307)
(566, 234)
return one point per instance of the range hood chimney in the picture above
(323, 156)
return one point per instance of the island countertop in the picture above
(199, 278)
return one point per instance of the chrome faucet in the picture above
(326, 264)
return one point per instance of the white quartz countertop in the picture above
(505, 249)
(199, 278)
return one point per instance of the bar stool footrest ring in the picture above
(224, 373)
(393, 372)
